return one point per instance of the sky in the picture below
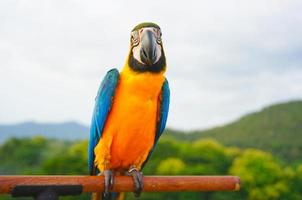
(225, 58)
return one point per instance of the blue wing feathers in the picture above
(164, 109)
(163, 115)
(103, 102)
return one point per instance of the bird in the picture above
(130, 112)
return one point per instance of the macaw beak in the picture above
(148, 52)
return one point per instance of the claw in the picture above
(108, 174)
(138, 180)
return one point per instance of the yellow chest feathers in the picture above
(143, 85)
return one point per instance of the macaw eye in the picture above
(158, 36)
(134, 38)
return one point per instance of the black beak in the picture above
(148, 51)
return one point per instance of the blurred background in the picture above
(235, 74)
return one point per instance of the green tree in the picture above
(23, 156)
(71, 160)
(205, 156)
(261, 175)
(171, 166)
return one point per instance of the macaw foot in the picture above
(138, 180)
(108, 174)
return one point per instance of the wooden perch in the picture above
(125, 183)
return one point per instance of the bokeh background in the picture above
(235, 73)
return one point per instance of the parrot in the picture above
(130, 112)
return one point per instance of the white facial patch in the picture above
(137, 49)
(136, 53)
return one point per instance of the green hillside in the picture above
(276, 128)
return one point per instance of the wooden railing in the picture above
(55, 186)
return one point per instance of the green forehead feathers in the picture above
(145, 24)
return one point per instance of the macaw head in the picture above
(146, 52)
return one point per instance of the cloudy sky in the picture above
(225, 58)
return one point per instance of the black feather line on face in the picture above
(159, 66)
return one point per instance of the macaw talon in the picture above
(138, 180)
(108, 174)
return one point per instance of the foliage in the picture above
(263, 176)
(71, 160)
(171, 166)
(20, 156)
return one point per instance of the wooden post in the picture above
(125, 183)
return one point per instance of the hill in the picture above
(64, 131)
(277, 128)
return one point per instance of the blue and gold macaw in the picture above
(131, 110)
